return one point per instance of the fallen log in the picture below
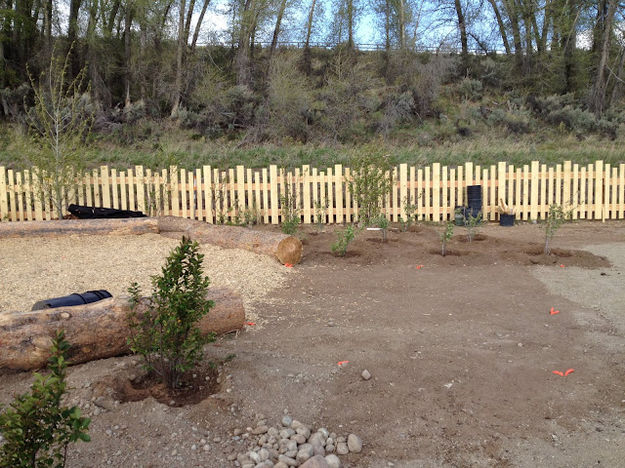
(117, 227)
(287, 249)
(94, 331)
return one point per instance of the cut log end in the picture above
(289, 250)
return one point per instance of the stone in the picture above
(303, 431)
(333, 461)
(295, 424)
(354, 443)
(263, 454)
(260, 430)
(255, 457)
(366, 375)
(280, 465)
(323, 431)
(315, 462)
(299, 438)
(304, 453)
(287, 420)
(318, 449)
(329, 448)
(287, 460)
(342, 449)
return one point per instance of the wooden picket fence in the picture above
(595, 191)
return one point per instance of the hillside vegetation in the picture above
(154, 96)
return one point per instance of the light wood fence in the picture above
(595, 191)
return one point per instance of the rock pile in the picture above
(292, 443)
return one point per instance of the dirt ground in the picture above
(461, 351)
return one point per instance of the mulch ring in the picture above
(196, 386)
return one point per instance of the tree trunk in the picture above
(287, 249)
(121, 227)
(511, 9)
(242, 60)
(463, 36)
(72, 36)
(127, 52)
(179, 60)
(276, 30)
(307, 58)
(95, 331)
(198, 25)
(598, 93)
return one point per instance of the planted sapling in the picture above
(347, 235)
(446, 236)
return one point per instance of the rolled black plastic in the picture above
(91, 212)
(72, 300)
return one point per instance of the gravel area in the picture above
(40, 268)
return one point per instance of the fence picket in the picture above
(4, 200)
(622, 191)
(534, 191)
(338, 192)
(436, 192)
(11, 190)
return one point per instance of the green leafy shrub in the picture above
(345, 237)
(290, 210)
(37, 430)
(370, 182)
(470, 89)
(165, 332)
(472, 224)
(409, 210)
(381, 222)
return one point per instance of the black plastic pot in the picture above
(72, 300)
(506, 220)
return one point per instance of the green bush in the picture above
(165, 332)
(37, 430)
(345, 237)
(370, 182)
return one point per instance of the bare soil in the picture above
(461, 348)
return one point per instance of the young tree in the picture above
(60, 121)
(37, 430)
(165, 333)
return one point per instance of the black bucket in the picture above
(72, 300)
(506, 220)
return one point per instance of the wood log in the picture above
(94, 331)
(287, 249)
(118, 227)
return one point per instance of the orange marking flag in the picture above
(342, 363)
(570, 371)
(553, 311)
(251, 324)
(557, 372)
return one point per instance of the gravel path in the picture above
(39, 268)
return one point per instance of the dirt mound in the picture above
(423, 246)
(196, 386)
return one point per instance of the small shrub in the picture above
(472, 224)
(37, 430)
(470, 89)
(290, 210)
(371, 181)
(165, 333)
(410, 211)
(446, 236)
(381, 222)
(347, 235)
(555, 218)
(320, 213)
